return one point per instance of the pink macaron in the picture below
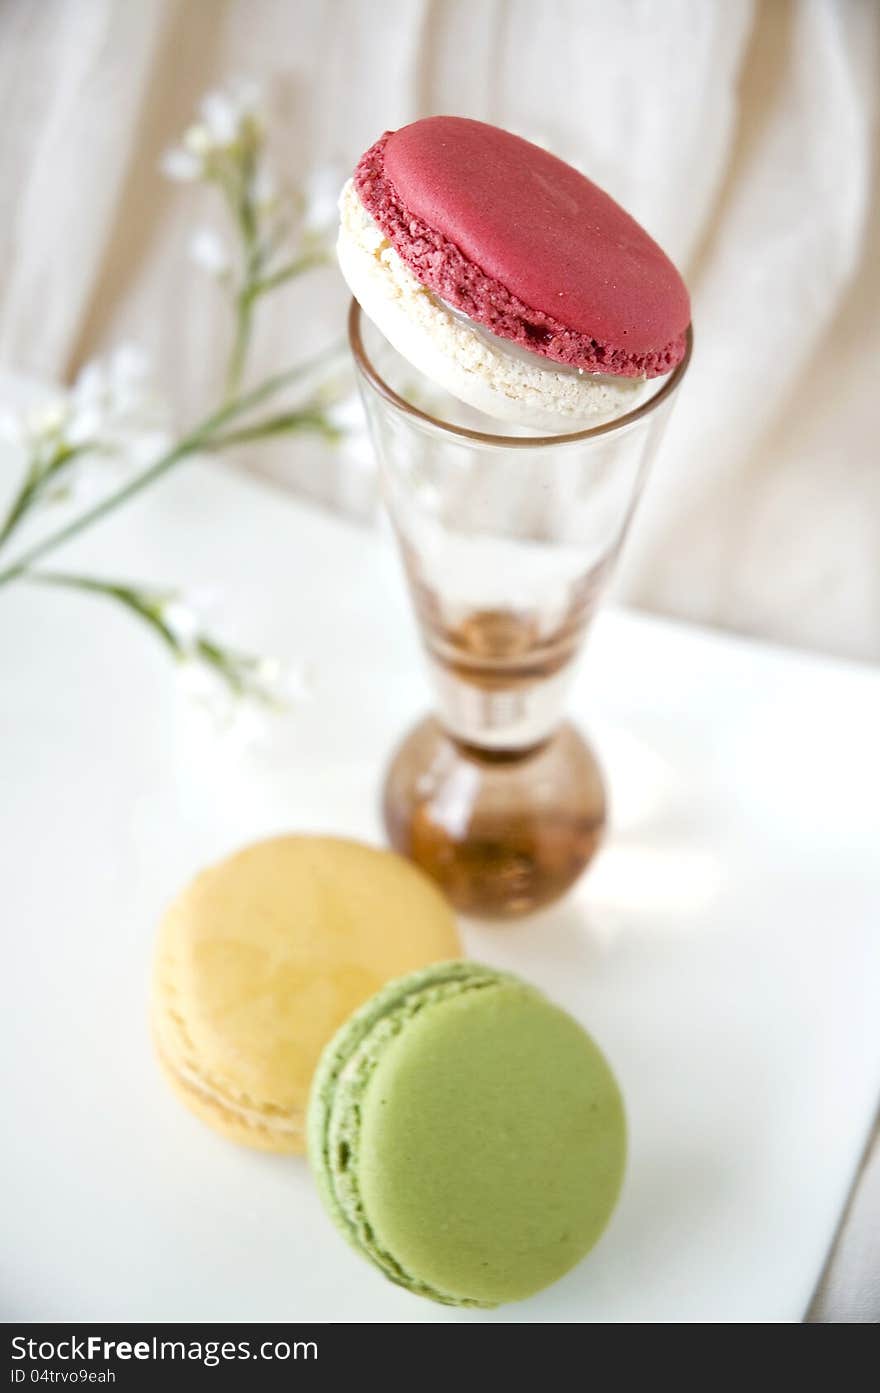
(526, 246)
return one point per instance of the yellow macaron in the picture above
(262, 958)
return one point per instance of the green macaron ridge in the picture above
(340, 1080)
(466, 1135)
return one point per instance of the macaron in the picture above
(507, 276)
(263, 956)
(467, 1136)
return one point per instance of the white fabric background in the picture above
(744, 135)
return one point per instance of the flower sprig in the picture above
(175, 620)
(234, 423)
(110, 411)
(281, 232)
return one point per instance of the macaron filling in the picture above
(441, 265)
(492, 374)
(247, 1112)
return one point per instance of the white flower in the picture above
(185, 614)
(89, 403)
(223, 680)
(219, 118)
(180, 165)
(264, 189)
(109, 408)
(226, 118)
(182, 621)
(114, 382)
(48, 421)
(86, 425)
(281, 684)
(38, 430)
(197, 142)
(225, 114)
(206, 249)
(321, 198)
(243, 719)
(111, 402)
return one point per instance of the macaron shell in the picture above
(334, 1093)
(540, 228)
(265, 955)
(492, 1145)
(257, 1129)
(525, 245)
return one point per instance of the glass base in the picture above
(501, 832)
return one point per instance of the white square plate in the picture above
(723, 949)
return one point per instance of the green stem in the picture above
(106, 505)
(243, 210)
(254, 287)
(306, 262)
(34, 483)
(21, 503)
(287, 423)
(237, 670)
(146, 608)
(244, 310)
(198, 438)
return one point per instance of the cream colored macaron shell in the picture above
(476, 367)
(261, 959)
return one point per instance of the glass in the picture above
(507, 541)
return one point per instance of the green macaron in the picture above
(467, 1136)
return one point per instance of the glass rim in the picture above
(517, 442)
